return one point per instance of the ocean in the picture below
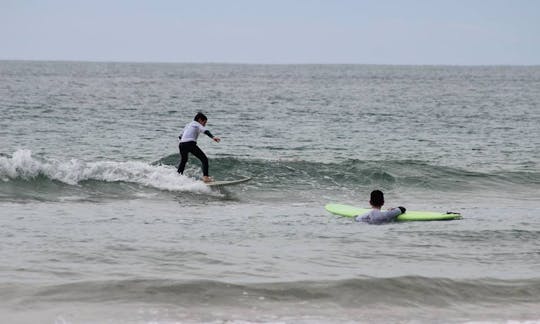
(96, 226)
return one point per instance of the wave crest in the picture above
(23, 166)
(411, 290)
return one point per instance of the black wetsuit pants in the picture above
(191, 147)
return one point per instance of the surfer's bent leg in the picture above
(201, 156)
(184, 148)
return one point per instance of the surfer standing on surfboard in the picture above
(188, 144)
(376, 216)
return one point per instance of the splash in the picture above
(22, 165)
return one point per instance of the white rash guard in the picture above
(191, 132)
(377, 216)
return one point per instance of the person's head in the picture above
(200, 118)
(377, 198)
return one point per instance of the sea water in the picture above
(96, 226)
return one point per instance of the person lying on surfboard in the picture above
(188, 144)
(376, 216)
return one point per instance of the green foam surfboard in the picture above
(351, 211)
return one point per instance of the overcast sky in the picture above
(455, 32)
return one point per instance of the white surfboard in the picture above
(227, 182)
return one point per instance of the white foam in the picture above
(23, 165)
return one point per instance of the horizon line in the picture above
(262, 63)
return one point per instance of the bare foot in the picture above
(207, 179)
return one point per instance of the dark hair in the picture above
(377, 198)
(200, 115)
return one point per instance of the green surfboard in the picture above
(351, 211)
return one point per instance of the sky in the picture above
(419, 32)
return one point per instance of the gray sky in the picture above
(455, 32)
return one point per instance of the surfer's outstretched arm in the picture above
(215, 138)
